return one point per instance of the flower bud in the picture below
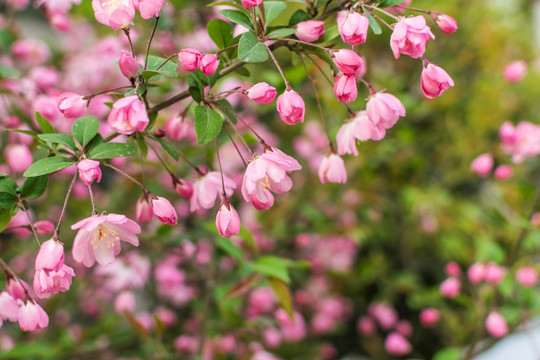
(189, 59)
(89, 171)
(227, 221)
(429, 317)
(452, 269)
(128, 65)
(251, 3)
(450, 287)
(72, 105)
(18, 157)
(208, 63)
(332, 169)
(503, 172)
(527, 276)
(310, 30)
(345, 88)
(384, 110)
(353, 28)
(177, 128)
(143, 210)
(435, 81)
(124, 302)
(164, 211)
(291, 107)
(515, 71)
(476, 273)
(482, 164)
(32, 317)
(44, 227)
(184, 189)
(446, 23)
(496, 325)
(494, 273)
(262, 93)
(50, 256)
(397, 345)
(348, 62)
(366, 326)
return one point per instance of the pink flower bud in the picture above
(148, 8)
(143, 210)
(494, 273)
(128, 65)
(515, 71)
(452, 269)
(184, 189)
(429, 317)
(332, 169)
(116, 14)
(124, 302)
(128, 115)
(503, 172)
(410, 36)
(208, 63)
(435, 81)
(404, 328)
(251, 3)
(535, 219)
(508, 133)
(384, 110)
(18, 157)
(353, 28)
(189, 59)
(44, 227)
(476, 273)
(72, 105)
(89, 171)
(291, 107)
(345, 88)
(271, 337)
(446, 23)
(366, 326)
(348, 62)
(15, 289)
(164, 211)
(482, 165)
(310, 30)
(50, 256)
(32, 317)
(496, 325)
(396, 344)
(262, 93)
(527, 276)
(450, 287)
(177, 128)
(227, 221)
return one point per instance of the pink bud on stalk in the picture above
(72, 105)
(496, 325)
(129, 67)
(189, 59)
(291, 107)
(310, 30)
(262, 93)
(348, 62)
(227, 220)
(89, 171)
(208, 64)
(164, 210)
(435, 81)
(345, 88)
(446, 23)
(482, 164)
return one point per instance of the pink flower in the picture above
(494, 273)
(429, 317)
(99, 238)
(17, 288)
(266, 174)
(385, 315)
(47, 282)
(50, 255)
(353, 28)
(148, 8)
(446, 23)
(404, 328)
(114, 13)
(503, 172)
(129, 67)
(128, 115)
(527, 276)
(496, 325)
(164, 211)
(291, 107)
(384, 110)
(521, 141)
(44, 227)
(177, 128)
(262, 93)
(396, 344)
(348, 62)
(143, 210)
(89, 171)
(124, 302)
(189, 59)
(32, 317)
(476, 273)
(450, 287)
(18, 157)
(9, 307)
(435, 81)
(271, 337)
(410, 36)
(183, 188)
(207, 188)
(208, 63)
(227, 220)
(452, 269)
(515, 71)
(366, 326)
(360, 128)
(482, 164)
(332, 169)
(399, 8)
(345, 88)
(291, 330)
(251, 3)
(72, 105)
(310, 30)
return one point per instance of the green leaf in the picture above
(299, 16)
(227, 110)
(229, 3)
(47, 166)
(62, 139)
(167, 147)
(282, 294)
(242, 287)
(281, 33)
(5, 217)
(451, 353)
(237, 17)
(167, 70)
(8, 72)
(8, 185)
(220, 32)
(387, 3)
(208, 124)
(272, 9)
(7, 201)
(228, 247)
(26, 132)
(98, 139)
(111, 150)
(44, 124)
(34, 187)
(250, 49)
(323, 2)
(272, 266)
(372, 22)
(84, 129)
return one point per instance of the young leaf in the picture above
(220, 32)
(8, 185)
(7, 201)
(283, 295)
(281, 33)
(167, 70)
(44, 124)
(5, 217)
(237, 17)
(34, 187)
(272, 266)
(372, 22)
(112, 150)
(84, 129)
(167, 147)
(61, 139)
(47, 166)
(208, 124)
(272, 9)
(250, 49)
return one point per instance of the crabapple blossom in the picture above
(206, 189)
(183, 188)
(262, 93)
(164, 210)
(114, 13)
(527, 276)
(366, 326)
(359, 128)
(50, 255)
(452, 269)
(410, 36)
(18, 157)
(348, 62)
(332, 169)
(189, 59)
(72, 105)
(143, 210)
(384, 314)
(227, 220)
(476, 273)
(450, 287)
(384, 110)
(503, 172)
(44, 227)
(482, 164)
(515, 71)
(494, 273)
(129, 67)
(32, 317)
(429, 317)
(291, 107)
(9, 307)
(496, 325)
(48, 281)
(251, 3)
(521, 141)
(148, 8)
(447, 24)
(396, 344)
(208, 63)
(353, 27)
(177, 128)
(435, 81)
(310, 30)
(345, 88)
(124, 302)
(128, 115)
(89, 171)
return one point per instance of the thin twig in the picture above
(287, 85)
(137, 182)
(63, 212)
(235, 146)
(150, 43)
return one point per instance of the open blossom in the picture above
(114, 13)
(189, 59)
(89, 171)
(291, 107)
(435, 81)
(72, 105)
(207, 188)
(345, 88)
(410, 36)
(9, 307)
(353, 27)
(496, 325)
(32, 317)
(348, 62)
(47, 282)
(360, 128)
(310, 30)
(148, 8)
(332, 169)
(227, 220)
(384, 110)
(262, 93)
(99, 238)
(521, 141)
(128, 115)
(164, 210)
(267, 174)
